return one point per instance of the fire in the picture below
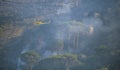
(91, 29)
(39, 23)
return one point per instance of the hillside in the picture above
(66, 34)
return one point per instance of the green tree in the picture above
(70, 60)
(30, 58)
(104, 68)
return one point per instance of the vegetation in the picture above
(104, 68)
(63, 61)
(30, 58)
(82, 37)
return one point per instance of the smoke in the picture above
(68, 35)
(66, 8)
(74, 29)
(20, 62)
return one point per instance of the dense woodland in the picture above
(59, 35)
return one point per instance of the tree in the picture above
(59, 62)
(70, 60)
(30, 58)
(104, 68)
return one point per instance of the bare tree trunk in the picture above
(69, 39)
(30, 67)
(77, 2)
(67, 66)
(74, 41)
(60, 45)
(77, 40)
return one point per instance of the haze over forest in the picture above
(59, 35)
